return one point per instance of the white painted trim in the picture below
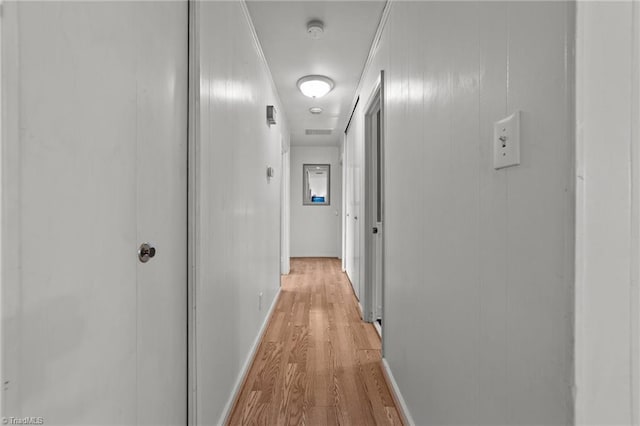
(10, 203)
(237, 387)
(193, 206)
(635, 215)
(579, 230)
(344, 165)
(2, 411)
(376, 325)
(285, 213)
(589, 380)
(401, 405)
(373, 50)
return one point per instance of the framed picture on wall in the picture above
(316, 184)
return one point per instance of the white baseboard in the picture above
(226, 413)
(378, 328)
(397, 396)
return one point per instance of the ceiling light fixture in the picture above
(315, 86)
(315, 110)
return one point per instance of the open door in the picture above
(374, 206)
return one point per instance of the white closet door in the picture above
(94, 160)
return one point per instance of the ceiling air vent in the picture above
(317, 131)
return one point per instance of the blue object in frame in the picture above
(316, 199)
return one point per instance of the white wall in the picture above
(479, 267)
(315, 230)
(608, 217)
(238, 216)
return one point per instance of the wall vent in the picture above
(318, 131)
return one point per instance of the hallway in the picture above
(179, 179)
(318, 362)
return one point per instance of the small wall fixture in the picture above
(315, 29)
(315, 110)
(315, 86)
(271, 114)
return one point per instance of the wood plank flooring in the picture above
(318, 362)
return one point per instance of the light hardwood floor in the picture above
(318, 362)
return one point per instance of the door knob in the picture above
(375, 229)
(146, 252)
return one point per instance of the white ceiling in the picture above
(349, 28)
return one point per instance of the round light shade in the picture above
(315, 86)
(315, 110)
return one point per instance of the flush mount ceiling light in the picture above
(315, 29)
(315, 86)
(315, 110)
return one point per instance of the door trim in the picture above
(9, 198)
(193, 136)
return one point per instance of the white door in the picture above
(95, 163)
(352, 208)
(356, 216)
(348, 215)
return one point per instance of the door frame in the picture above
(9, 192)
(372, 260)
(193, 90)
(343, 161)
(592, 189)
(285, 190)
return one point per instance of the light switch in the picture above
(506, 141)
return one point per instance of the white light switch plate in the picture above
(506, 141)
